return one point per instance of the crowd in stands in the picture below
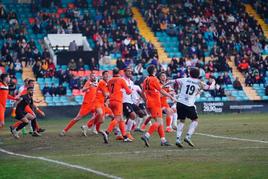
(261, 7)
(112, 29)
(195, 23)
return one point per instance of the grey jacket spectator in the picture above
(73, 46)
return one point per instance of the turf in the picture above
(211, 158)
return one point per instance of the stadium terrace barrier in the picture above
(64, 57)
(232, 106)
(54, 112)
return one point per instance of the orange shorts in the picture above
(117, 108)
(165, 105)
(86, 109)
(108, 111)
(155, 111)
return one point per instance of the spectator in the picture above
(243, 66)
(120, 64)
(53, 90)
(138, 70)
(249, 80)
(237, 84)
(46, 90)
(61, 90)
(73, 46)
(51, 69)
(227, 79)
(266, 91)
(72, 65)
(18, 66)
(74, 83)
(80, 64)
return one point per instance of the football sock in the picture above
(174, 120)
(179, 130)
(17, 124)
(122, 127)
(153, 128)
(22, 125)
(191, 129)
(161, 131)
(111, 126)
(168, 121)
(69, 125)
(139, 122)
(129, 125)
(34, 124)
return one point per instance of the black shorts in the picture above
(184, 112)
(20, 115)
(129, 108)
(142, 106)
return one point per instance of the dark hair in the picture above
(151, 69)
(161, 73)
(30, 88)
(194, 72)
(26, 80)
(3, 76)
(30, 81)
(104, 72)
(116, 71)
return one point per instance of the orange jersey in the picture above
(23, 92)
(115, 86)
(164, 98)
(100, 92)
(151, 87)
(90, 93)
(4, 95)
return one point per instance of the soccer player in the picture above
(187, 93)
(4, 80)
(100, 107)
(128, 104)
(138, 100)
(115, 86)
(165, 106)
(23, 91)
(87, 107)
(152, 90)
(24, 113)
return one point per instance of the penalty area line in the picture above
(232, 138)
(61, 163)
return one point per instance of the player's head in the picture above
(151, 70)
(92, 76)
(30, 83)
(128, 72)
(30, 91)
(5, 78)
(162, 77)
(194, 72)
(105, 75)
(116, 71)
(26, 81)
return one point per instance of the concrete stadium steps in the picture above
(147, 33)
(256, 16)
(250, 92)
(27, 72)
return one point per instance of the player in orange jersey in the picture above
(4, 80)
(87, 106)
(100, 108)
(152, 90)
(164, 104)
(115, 86)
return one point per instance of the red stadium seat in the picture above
(31, 20)
(76, 92)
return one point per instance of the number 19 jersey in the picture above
(189, 88)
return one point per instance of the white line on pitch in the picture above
(61, 163)
(232, 138)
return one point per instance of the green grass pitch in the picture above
(211, 158)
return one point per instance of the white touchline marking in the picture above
(232, 138)
(61, 163)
